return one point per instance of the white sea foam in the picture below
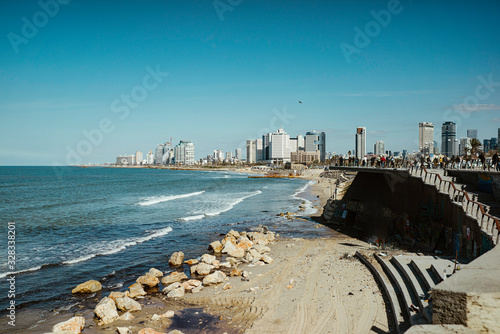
(160, 199)
(309, 208)
(20, 271)
(116, 246)
(224, 207)
(231, 204)
(195, 217)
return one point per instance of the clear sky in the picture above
(237, 69)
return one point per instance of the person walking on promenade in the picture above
(495, 161)
(482, 158)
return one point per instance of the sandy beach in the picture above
(309, 286)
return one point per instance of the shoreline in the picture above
(316, 192)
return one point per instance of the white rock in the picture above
(176, 259)
(155, 272)
(168, 314)
(127, 304)
(228, 247)
(173, 277)
(127, 316)
(262, 249)
(197, 289)
(171, 287)
(216, 246)
(176, 293)
(123, 330)
(204, 269)
(207, 258)
(237, 253)
(106, 311)
(225, 265)
(267, 259)
(72, 326)
(215, 278)
(136, 290)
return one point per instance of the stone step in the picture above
(423, 267)
(407, 296)
(442, 268)
(403, 263)
(399, 322)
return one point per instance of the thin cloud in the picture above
(495, 120)
(474, 108)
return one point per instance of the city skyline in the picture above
(185, 70)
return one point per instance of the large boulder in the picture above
(228, 247)
(244, 243)
(87, 287)
(207, 258)
(203, 269)
(106, 311)
(115, 294)
(234, 234)
(262, 249)
(216, 246)
(237, 253)
(155, 272)
(174, 290)
(256, 255)
(176, 259)
(215, 278)
(136, 290)
(191, 284)
(149, 280)
(127, 304)
(173, 277)
(72, 326)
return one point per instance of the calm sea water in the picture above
(74, 224)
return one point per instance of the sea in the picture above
(73, 224)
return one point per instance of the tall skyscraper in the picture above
(425, 137)
(184, 153)
(159, 154)
(494, 143)
(315, 141)
(138, 157)
(237, 153)
(360, 143)
(472, 133)
(150, 158)
(465, 146)
(449, 141)
(259, 150)
(486, 145)
(279, 146)
(300, 141)
(379, 147)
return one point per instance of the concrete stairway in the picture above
(407, 282)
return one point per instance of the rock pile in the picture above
(210, 269)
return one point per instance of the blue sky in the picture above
(229, 78)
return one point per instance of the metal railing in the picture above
(487, 222)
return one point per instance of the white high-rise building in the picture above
(237, 154)
(426, 137)
(184, 153)
(218, 155)
(465, 146)
(138, 157)
(279, 146)
(294, 145)
(159, 154)
(300, 142)
(229, 156)
(150, 158)
(379, 147)
(251, 151)
(360, 143)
